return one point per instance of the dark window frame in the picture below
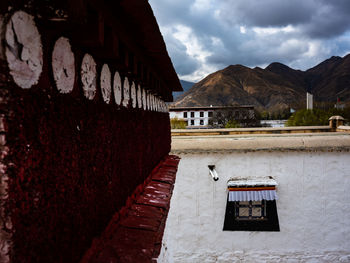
(201, 114)
(251, 206)
(185, 114)
(271, 223)
(192, 122)
(192, 114)
(201, 122)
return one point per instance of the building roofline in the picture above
(208, 107)
(139, 17)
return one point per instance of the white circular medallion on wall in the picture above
(151, 102)
(133, 94)
(117, 88)
(88, 76)
(139, 96)
(24, 52)
(105, 82)
(63, 66)
(126, 92)
(148, 100)
(154, 102)
(144, 99)
(157, 104)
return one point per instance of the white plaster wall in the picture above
(206, 118)
(176, 114)
(313, 209)
(196, 122)
(196, 118)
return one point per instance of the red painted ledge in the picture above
(135, 233)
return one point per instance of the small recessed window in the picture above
(201, 114)
(192, 122)
(185, 114)
(210, 114)
(251, 205)
(201, 122)
(192, 114)
(250, 210)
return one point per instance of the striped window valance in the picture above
(251, 189)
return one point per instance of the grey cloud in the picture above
(268, 12)
(258, 54)
(183, 63)
(330, 19)
(314, 18)
(169, 12)
(252, 50)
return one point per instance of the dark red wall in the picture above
(75, 162)
(72, 162)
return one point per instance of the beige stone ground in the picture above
(326, 141)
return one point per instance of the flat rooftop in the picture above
(210, 142)
(257, 130)
(172, 108)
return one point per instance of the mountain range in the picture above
(275, 88)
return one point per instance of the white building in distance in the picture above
(199, 117)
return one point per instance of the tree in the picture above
(232, 124)
(316, 116)
(234, 117)
(309, 118)
(176, 123)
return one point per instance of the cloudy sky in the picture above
(203, 36)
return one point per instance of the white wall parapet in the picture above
(313, 215)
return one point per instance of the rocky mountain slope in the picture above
(186, 85)
(331, 79)
(274, 88)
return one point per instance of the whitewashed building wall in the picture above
(313, 209)
(192, 120)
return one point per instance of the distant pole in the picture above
(309, 101)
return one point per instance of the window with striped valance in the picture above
(251, 205)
